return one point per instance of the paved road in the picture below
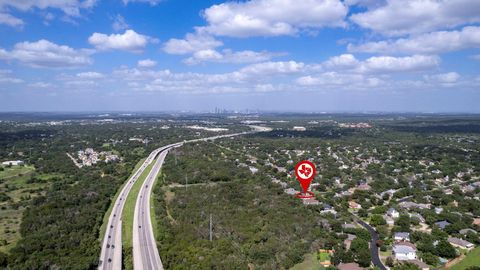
(145, 252)
(373, 244)
(111, 253)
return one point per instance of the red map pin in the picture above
(305, 172)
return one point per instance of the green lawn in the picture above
(309, 263)
(15, 171)
(472, 259)
(107, 214)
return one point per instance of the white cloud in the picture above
(191, 43)
(128, 41)
(69, 7)
(334, 80)
(10, 20)
(6, 77)
(40, 85)
(255, 77)
(90, 75)
(146, 63)
(389, 64)
(445, 79)
(430, 43)
(378, 64)
(119, 23)
(44, 53)
(342, 61)
(273, 17)
(270, 68)
(229, 56)
(402, 17)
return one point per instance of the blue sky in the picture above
(280, 55)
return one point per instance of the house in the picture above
(354, 205)
(393, 213)
(327, 208)
(476, 221)
(442, 224)
(349, 266)
(404, 251)
(364, 186)
(349, 226)
(348, 242)
(290, 191)
(13, 163)
(402, 236)
(460, 243)
(466, 231)
(310, 201)
(438, 210)
(389, 220)
(420, 264)
(417, 216)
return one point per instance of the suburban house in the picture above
(417, 216)
(389, 220)
(348, 242)
(420, 264)
(349, 266)
(401, 236)
(354, 205)
(349, 226)
(442, 224)
(393, 213)
(460, 243)
(404, 251)
(466, 231)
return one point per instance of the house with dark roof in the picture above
(442, 224)
(401, 236)
(460, 243)
(349, 266)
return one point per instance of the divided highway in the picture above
(145, 252)
(111, 253)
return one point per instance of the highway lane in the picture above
(110, 256)
(145, 251)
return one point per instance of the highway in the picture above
(145, 252)
(111, 252)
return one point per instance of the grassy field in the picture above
(15, 171)
(14, 183)
(127, 217)
(472, 259)
(107, 214)
(309, 263)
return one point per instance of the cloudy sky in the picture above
(281, 55)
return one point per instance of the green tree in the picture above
(444, 249)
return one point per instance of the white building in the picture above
(298, 128)
(405, 251)
(393, 213)
(13, 163)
